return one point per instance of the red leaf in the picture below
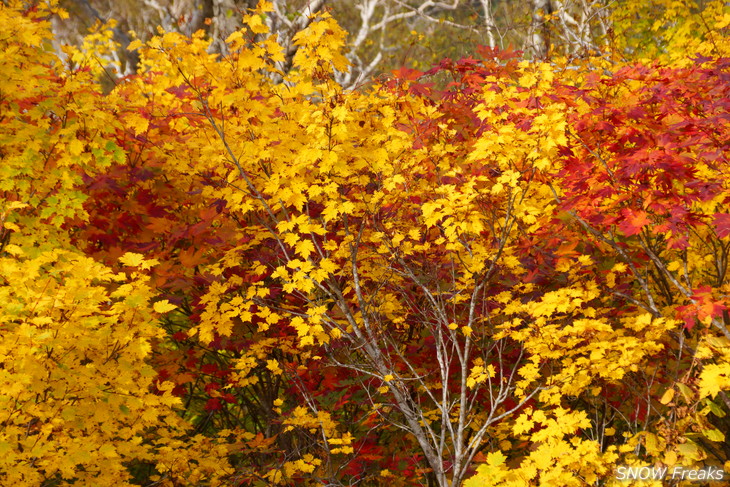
(407, 74)
(213, 404)
(722, 224)
(190, 258)
(180, 336)
(634, 221)
(209, 368)
(229, 398)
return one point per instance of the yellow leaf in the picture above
(496, 458)
(330, 211)
(273, 365)
(134, 45)
(265, 6)
(714, 435)
(328, 266)
(76, 147)
(163, 306)
(651, 443)
(14, 205)
(138, 123)
(291, 238)
(722, 22)
(131, 259)
(13, 249)
(670, 458)
(714, 378)
(255, 24)
(522, 424)
(686, 391)
(304, 248)
(667, 396)
(108, 450)
(348, 207)
(689, 451)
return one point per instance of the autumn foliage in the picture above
(496, 272)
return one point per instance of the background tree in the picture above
(383, 34)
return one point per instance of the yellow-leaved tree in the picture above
(78, 399)
(393, 233)
(498, 272)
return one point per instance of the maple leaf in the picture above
(191, 257)
(722, 224)
(132, 259)
(163, 306)
(713, 379)
(418, 209)
(633, 222)
(407, 74)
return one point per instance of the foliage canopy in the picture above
(496, 272)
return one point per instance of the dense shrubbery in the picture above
(500, 270)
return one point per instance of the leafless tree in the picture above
(378, 29)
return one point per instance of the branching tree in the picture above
(383, 34)
(229, 268)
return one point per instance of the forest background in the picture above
(469, 243)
